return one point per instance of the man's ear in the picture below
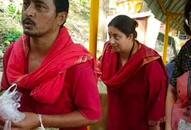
(62, 16)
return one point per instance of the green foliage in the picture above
(81, 8)
(11, 9)
(9, 37)
(10, 29)
(84, 2)
(78, 20)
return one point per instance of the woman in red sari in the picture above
(135, 78)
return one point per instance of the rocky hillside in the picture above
(78, 21)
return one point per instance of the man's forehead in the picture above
(39, 1)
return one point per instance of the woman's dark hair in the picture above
(124, 24)
(61, 5)
(187, 11)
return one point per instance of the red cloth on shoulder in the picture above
(48, 79)
(112, 76)
(136, 91)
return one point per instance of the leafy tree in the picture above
(10, 28)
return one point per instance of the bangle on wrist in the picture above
(40, 120)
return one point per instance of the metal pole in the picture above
(94, 18)
(166, 39)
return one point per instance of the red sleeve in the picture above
(157, 91)
(4, 80)
(85, 91)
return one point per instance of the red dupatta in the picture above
(109, 67)
(46, 82)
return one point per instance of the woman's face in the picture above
(119, 41)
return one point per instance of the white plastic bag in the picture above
(184, 125)
(9, 104)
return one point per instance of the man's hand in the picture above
(2, 122)
(31, 121)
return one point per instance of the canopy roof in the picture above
(173, 8)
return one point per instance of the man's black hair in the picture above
(61, 5)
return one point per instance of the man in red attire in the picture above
(55, 76)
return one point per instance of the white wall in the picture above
(153, 28)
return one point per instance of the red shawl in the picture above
(110, 74)
(46, 83)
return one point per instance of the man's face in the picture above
(39, 17)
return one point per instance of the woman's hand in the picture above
(31, 121)
(170, 100)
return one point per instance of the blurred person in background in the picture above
(178, 103)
